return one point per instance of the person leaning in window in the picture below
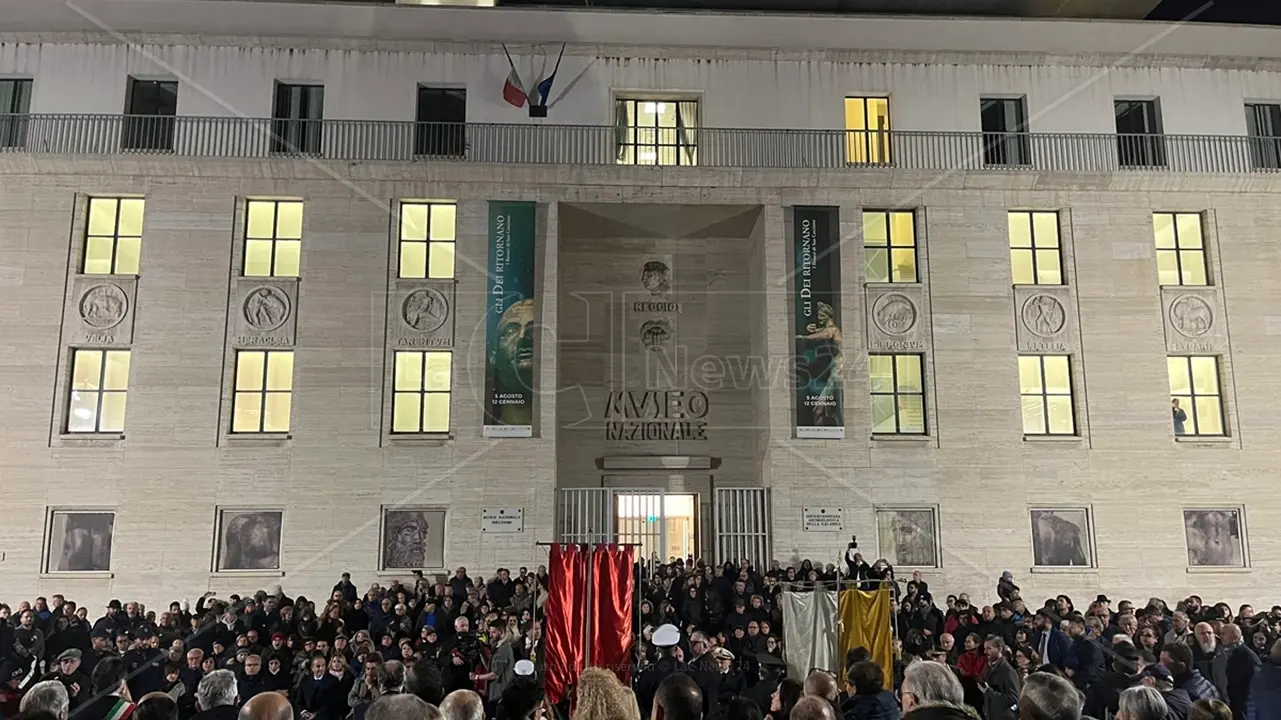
(1180, 417)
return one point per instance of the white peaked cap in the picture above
(666, 636)
(524, 668)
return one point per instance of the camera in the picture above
(853, 542)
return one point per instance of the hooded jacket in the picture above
(880, 706)
(1265, 694)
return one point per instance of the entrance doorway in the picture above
(662, 525)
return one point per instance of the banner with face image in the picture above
(509, 317)
(820, 400)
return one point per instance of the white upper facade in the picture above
(784, 72)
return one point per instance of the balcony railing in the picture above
(218, 137)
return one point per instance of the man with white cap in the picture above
(665, 638)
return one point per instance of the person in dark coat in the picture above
(870, 701)
(216, 696)
(317, 695)
(1177, 702)
(1177, 658)
(1000, 684)
(348, 589)
(1265, 689)
(771, 675)
(665, 638)
(67, 671)
(1242, 664)
(1051, 644)
(1085, 662)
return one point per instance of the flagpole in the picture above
(558, 58)
(512, 64)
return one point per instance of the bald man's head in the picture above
(820, 684)
(812, 707)
(267, 706)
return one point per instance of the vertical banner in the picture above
(509, 321)
(611, 610)
(820, 400)
(866, 622)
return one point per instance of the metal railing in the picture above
(231, 137)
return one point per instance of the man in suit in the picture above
(316, 696)
(1000, 685)
(1052, 645)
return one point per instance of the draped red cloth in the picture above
(565, 612)
(612, 608)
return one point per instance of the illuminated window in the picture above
(1034, 248)
(1045, 382)
(898, 394)
(1195, 401)
(656, 132)
(421, 392)
(273, 238)
(113, 239)
(1180, 249)
(889, 246)
(264, 391)
(99, 385)
(867, 125)
(427, 240)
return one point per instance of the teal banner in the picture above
(820, 400)
(509, 318)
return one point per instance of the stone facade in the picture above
(174, 466)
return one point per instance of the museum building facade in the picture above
(291, 293)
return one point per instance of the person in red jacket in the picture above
(972, 663)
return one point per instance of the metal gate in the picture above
(637, 516)
(741, 520)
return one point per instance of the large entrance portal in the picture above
(661, 525)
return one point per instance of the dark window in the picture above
(441, 128)
(297, 118)
(1005, 138)
(1263, 123)
(1138, 134)
(150, 107)
(15, 104)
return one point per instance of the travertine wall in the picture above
(168, 474)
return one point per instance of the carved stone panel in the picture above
(1193, 320)
(101, 309)
(422, 314)
(896, 318)
(264, 312)
(1044, 319)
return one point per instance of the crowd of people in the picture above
(711, 646)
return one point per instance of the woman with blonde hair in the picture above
(602, 697)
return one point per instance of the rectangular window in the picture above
(1180, 249)
(264, 391)
(1263, 125)
(898, 394)
(296, 119)
(427, 240)
(113, 237)
(1005, 137)
(15, 106)
(1139, 140)
(421, 392)
(656, 132)
(867, 130)
(889, 246)
(1195, 400)
(1045, 383)
(273, 238)
(99, 386)
(150, 107)
(441, 122)
(1034, 248)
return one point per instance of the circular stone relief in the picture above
(266, 308)
(1190, 316)
(425, 310)
(1043, 315)
(654, 334)
(894, 314)
(103, 306)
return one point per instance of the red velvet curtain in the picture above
(565, 612)
(612, 598)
